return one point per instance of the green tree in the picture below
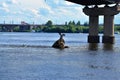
(100, 29)
(16, 29)
(71, 29)
(49, 23)
(78, 23)
(66, 23)
(86, 24)
(70, 23)
(73, 23)
(117, 28)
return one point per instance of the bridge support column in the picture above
(93, 30)
(108, 36)
(108, 13)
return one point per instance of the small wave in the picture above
(75, 42)
(24, 45)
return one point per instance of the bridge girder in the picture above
(94, 2)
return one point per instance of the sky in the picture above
(40, 11)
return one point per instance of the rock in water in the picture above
(60, 43)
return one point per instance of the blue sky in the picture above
(40, 11)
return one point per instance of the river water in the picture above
(29, 56)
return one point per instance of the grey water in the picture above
(29, 56)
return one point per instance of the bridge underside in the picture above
(94, 13)
(94, 2)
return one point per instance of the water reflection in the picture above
(93, 46)
(108, 46)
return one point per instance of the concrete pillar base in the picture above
(93, 39)
(108, 39)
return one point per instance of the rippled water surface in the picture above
(29, 56)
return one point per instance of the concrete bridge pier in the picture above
(108, 13)
(108, 36)
(93, 36)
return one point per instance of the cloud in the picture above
(11, 2)
(14, 1)
(4, 5)
(4, 8)
(69, 3)
(40, 11)
(44, 11)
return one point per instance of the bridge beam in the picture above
(108, 13)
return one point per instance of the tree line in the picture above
(69, 27)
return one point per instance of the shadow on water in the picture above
(93, 46)
(108, 46)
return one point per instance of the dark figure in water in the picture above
(60, 43)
